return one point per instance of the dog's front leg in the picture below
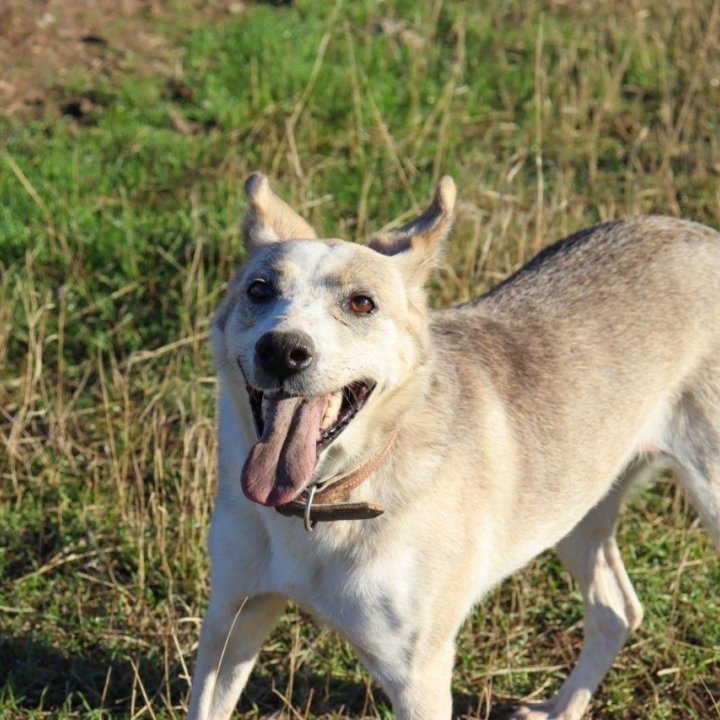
(417, 678)
(229, 643)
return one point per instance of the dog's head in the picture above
(325, 334)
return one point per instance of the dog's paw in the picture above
(547, 710)
(536, 711)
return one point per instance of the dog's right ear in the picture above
(268, 218)
(420, 244)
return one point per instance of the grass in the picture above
(118, 229)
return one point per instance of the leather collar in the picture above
(319, 503)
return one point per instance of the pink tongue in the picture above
(281, 463)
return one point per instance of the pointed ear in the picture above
(421, 241)
(268, 218)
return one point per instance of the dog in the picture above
(383, 466)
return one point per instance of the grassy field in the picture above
(120, 200)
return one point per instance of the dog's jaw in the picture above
(293, 432)
(342, 406)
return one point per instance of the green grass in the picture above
(117, 233)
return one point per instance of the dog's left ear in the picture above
(268, 218)
(421, 242)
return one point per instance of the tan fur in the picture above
(521, 419)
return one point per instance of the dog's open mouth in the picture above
(292, 432)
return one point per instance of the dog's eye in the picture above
(260, 291)
(361, 304)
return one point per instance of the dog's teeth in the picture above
(332, 410)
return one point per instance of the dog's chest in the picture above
(363, 595)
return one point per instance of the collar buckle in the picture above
(309, 524)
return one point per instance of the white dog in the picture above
(433, 454)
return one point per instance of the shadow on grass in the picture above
(39, 677)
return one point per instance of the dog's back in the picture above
(648, 263)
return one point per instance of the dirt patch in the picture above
(49, 46)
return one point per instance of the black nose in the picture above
(284, 353)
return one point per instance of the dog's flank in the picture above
(519, 420)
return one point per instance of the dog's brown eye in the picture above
(361, 304)
(260, 291)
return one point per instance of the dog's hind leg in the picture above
(694, 445)
(612, 609)
(229, 644)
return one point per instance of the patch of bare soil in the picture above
(48, 45)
